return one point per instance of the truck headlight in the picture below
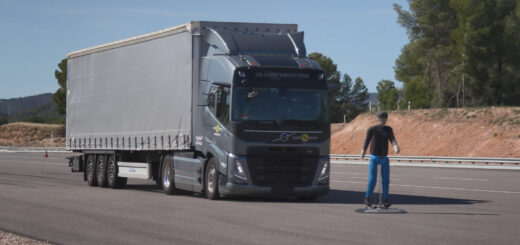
(324, 174)
(238, 173)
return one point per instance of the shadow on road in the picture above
(333, 197)
(356, 197)
(353, 197)
(145, 187)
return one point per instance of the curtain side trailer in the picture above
(218, 108)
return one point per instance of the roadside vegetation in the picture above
(32, 134)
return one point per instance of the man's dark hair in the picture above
(382, 114)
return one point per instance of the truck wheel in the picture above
(101, 171)
(114, 182)
(91, 170)
(167, 173)
(211, 180)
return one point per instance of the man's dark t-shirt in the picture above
(378, 137)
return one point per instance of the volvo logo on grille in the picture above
(284, 137)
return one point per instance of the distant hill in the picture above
(36, 108)
(15, 105)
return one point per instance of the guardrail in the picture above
(421, 159)
(435, 159)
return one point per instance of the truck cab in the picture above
(263, 111)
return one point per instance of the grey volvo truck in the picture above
(217, 108)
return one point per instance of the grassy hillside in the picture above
(470, 132)
(18, 134)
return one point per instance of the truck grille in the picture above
(283, 167)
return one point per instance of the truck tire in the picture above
(90, 167)
(101, 171)
(113, 180)
(211, 180)
(167, 176)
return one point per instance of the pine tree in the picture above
(60, 96)
(387, 95)
(347, 100)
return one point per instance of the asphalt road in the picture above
(42, 199)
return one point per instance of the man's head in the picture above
(382, 116)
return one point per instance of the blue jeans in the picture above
(372, 174)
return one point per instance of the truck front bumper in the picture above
(232, 189)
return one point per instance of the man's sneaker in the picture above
(368, 202)
(386, 203)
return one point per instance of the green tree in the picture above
(461, 52)
(429, 57)
(3, 120)
(410, 69)
(387, 95)
(488, 38)
(347, 99)
(333, 79)
(60, 96)
(358, 99)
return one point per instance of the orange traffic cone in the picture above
(46, 155)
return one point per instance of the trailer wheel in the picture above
(101, 171)
(114, 182)
(91, 170)
(167, 175)
(211, 180)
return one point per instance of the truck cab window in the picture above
(223, 101)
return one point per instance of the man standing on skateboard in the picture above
(378, 137)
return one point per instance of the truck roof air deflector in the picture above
(225, 42)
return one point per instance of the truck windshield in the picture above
(280, 106)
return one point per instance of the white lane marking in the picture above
(367, 178)
(350, 182)
(346, 173)
(52, 163)
(350, 173)
(460, 189)
(448, 178)
(436, 187)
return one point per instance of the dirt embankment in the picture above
(470, 132)
(32, 134)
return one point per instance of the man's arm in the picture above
(393, 141)
(367, 141)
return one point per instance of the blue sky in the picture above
(362, 37)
